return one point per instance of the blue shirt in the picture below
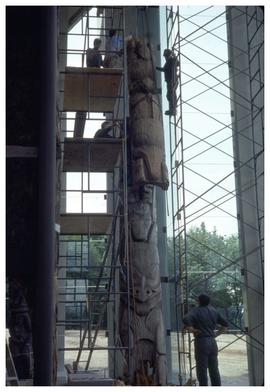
(115, 44)
(204, 318)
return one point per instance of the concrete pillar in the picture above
(63, 17)
(248, 158)
(45, 266)
(31, 66)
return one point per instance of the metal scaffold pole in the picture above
(178, 202)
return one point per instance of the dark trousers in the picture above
(206, 356)
(171, 96)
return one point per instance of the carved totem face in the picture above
(144, 253)
(147, 284)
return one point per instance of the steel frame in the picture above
(181, 215)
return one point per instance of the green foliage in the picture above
(84, 257)
(81, 252)
(209, 263)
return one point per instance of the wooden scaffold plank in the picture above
(95, 155)
(74, 223)
(91, 89)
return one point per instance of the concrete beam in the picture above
(248, 144)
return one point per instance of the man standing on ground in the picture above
(202, 322)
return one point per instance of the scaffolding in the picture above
(93, 243)
(208, 98)
(90, 289)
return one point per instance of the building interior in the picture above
(130, 190)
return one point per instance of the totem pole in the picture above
(147, 159)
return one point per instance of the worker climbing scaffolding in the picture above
(170, 72)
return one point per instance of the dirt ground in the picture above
(232, 359)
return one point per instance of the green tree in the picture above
(84, 257)
(210, 262)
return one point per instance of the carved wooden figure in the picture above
(146, 129)
(146, 336)
(148, 350)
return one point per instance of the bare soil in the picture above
(232, 357)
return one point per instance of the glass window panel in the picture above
(94, 202)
